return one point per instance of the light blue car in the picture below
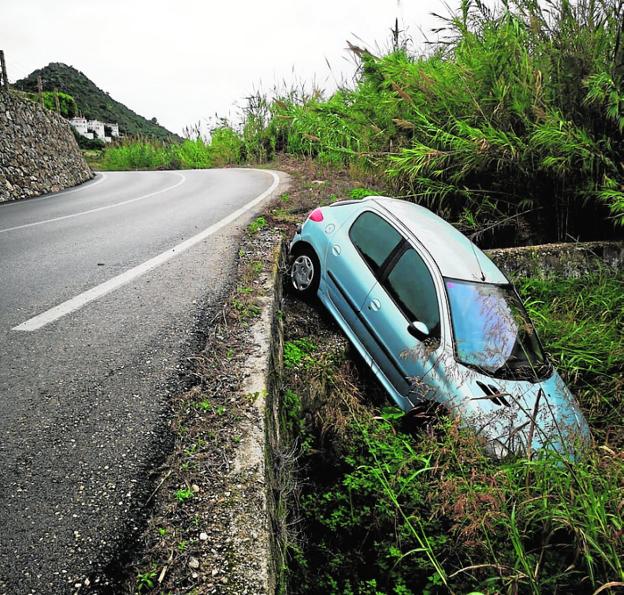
(436, 320)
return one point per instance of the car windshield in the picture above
(493, 332)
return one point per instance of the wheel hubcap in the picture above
(302, 272)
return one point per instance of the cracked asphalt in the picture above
(84, 399)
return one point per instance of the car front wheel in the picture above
(304, 273)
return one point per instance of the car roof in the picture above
(456, 256)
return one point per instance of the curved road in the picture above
(102, 289)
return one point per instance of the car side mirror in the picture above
(418, 329)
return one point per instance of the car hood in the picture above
(519, 417)
(514, 417)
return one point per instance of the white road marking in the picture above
(96, 210)
(84, 186)
(98, 291)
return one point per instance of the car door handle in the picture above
(375, 305)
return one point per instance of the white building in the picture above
(81, 126)
(95, 129)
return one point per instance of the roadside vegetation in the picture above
(380, 504)
(515, 118)
(386, 506)
(192, 153)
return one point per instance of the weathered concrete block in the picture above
(562, 260)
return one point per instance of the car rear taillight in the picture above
(316, 215)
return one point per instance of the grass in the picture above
(244, 303)
(384, 508)
(192, 153)
(581, 321)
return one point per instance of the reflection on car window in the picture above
(410, 284)
(374, 238)
(492, 330)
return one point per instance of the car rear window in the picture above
(374, 238)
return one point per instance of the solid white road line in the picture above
(104, 208)
(84, 186)
(98, 291)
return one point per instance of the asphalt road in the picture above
(103, 290)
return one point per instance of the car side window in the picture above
(410, 284)
(374, 239)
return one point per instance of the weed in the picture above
(258, 224)
(183, 495)
(360, 193)
(182, 545)
(245, 310)
(296, 351)
(256, 267)
(285, 197)
(146, 580)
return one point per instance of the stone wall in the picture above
(563, 260)
(38, 151)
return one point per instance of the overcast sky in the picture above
(183, 61)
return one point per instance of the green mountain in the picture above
(92, 102)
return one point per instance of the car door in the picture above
(405, 293)
(358, 252)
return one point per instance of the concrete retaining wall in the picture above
(38, 151)
(563, 260)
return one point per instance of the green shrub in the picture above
(225, 146)
(518, 113)
(66, 103)
(192, 153)
(135, 155)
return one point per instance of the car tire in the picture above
(304, 273)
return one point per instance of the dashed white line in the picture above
(98, 209)
(98, 291)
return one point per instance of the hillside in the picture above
(91, 101)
